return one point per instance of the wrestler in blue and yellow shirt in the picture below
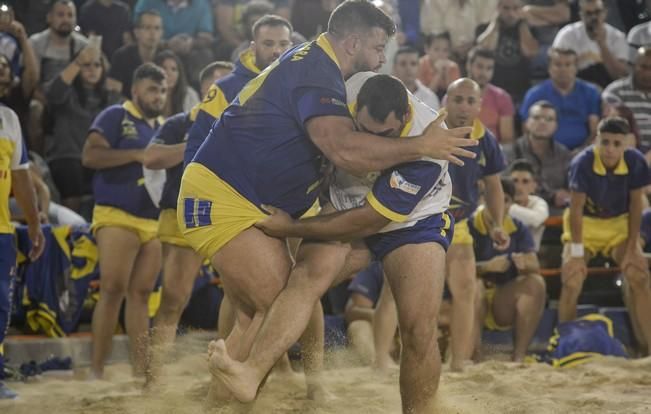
(465, 190)
(121, 198)
(259, 151)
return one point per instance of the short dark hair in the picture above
(381, 95)
(477, 51)
(149, 71)
(151, 12)
(508, 187)
(544, 104)
(522, 164)
(614, 125)
(562, 51)
(430, 38)
(355, 15)
(270, 20)
(404, 50)
(210, 68)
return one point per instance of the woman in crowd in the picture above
(180, 96)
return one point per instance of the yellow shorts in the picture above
(168, 229)
(489, 320)
(599, 235)
(105, 216)
(461, 233)
(210, 212)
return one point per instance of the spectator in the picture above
(33, 13)
(180, 96)
(638, 36)
(211, 73)
(527, 207)
(633, 91)
(251, 13)
(74, 98)
(624, 111)
(509, 36)
(496, 104)
(601, 49)
(57, 45)
(9, 43)
(545, 18)
(550, 160)
(110, 19)
(148, 33)
(405, 68)
(436, 70)
(577, 102)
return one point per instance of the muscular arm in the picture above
(577, 202)
(98, 154)
(161, 156)
(42, 191)
(528, 44)
(494, 198)
(507, 129)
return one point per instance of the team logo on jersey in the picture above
(129, 130)
(399, 182)
(331, 101)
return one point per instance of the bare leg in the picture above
(416, 273)
(462, 280)
(226, 318)
(480, 315)
(180, 268)
(118, 249)
(520, 303)
(571, 288)
(385, 322)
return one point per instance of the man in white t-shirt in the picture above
(601, 49)
(527, 207)
(405, 68)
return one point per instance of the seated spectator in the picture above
(550, 160)
(496, 104)
(436, 70)
(125, 60)
(527, 207)
(637, 37)
(633, 91)
(607, 182)
(624, 111)
(180, 96)
(110, 19)
(211, 73)
(515, 295)
(251, 13)
(405, 68)
(74, 98)
(510, 38)
(545, 18)
(601, 49)
(577, 102)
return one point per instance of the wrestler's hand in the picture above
(277, 223)
(447, 144)
(501, 239)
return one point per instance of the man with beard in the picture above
(125, 218)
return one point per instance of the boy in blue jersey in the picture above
(515, 295)
(463, 105)
(607, 188)
(14, 176)
(125, 217)
(180, 263)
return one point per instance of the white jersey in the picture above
(348, 191)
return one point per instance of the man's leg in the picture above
(117, 248)
(462, 280)
(7, 280)
(520, 303)
(385, 322)
(136, 313)
(416, 273)
(572, 284)
(180, 268)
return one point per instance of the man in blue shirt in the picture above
(607, 182)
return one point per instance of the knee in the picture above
(536, 286)
(418, 336)
(464, 288)
(173, 301)
(113, 290)
(310, 281)
(636, 278)
(139, 294)
(572, 282)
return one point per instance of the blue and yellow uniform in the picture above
(13, 157)
(220, 94)
(173, 131)
(369, 282)
(395, 195)
(605, 215)
(259, 151)
(521, 242)
(465, 191)
(121, 199)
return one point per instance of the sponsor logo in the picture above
(397, 181)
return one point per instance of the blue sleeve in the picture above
(397, 191)
(495, 162)
(523, 240)
(318, 101)
(172, 131)
(577, 175)
(639, 170)
(108, 124)
(197, 134)
(205, 22)
(594, 104)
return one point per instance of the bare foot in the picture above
(385, 365)
(318, 393)
(233, 375)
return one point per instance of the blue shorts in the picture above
(368, 282)
(7, 279)
(438, 228)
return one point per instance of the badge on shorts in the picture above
(399, 182)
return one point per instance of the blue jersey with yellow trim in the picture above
(521, 242)
(13, 156)
(489, 160)
(123, 187)
(607, 191)
(173, 131)
(220, 94)
(260, 145)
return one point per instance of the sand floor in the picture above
(605, 386)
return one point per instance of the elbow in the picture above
(152, 161)
(89, 159)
